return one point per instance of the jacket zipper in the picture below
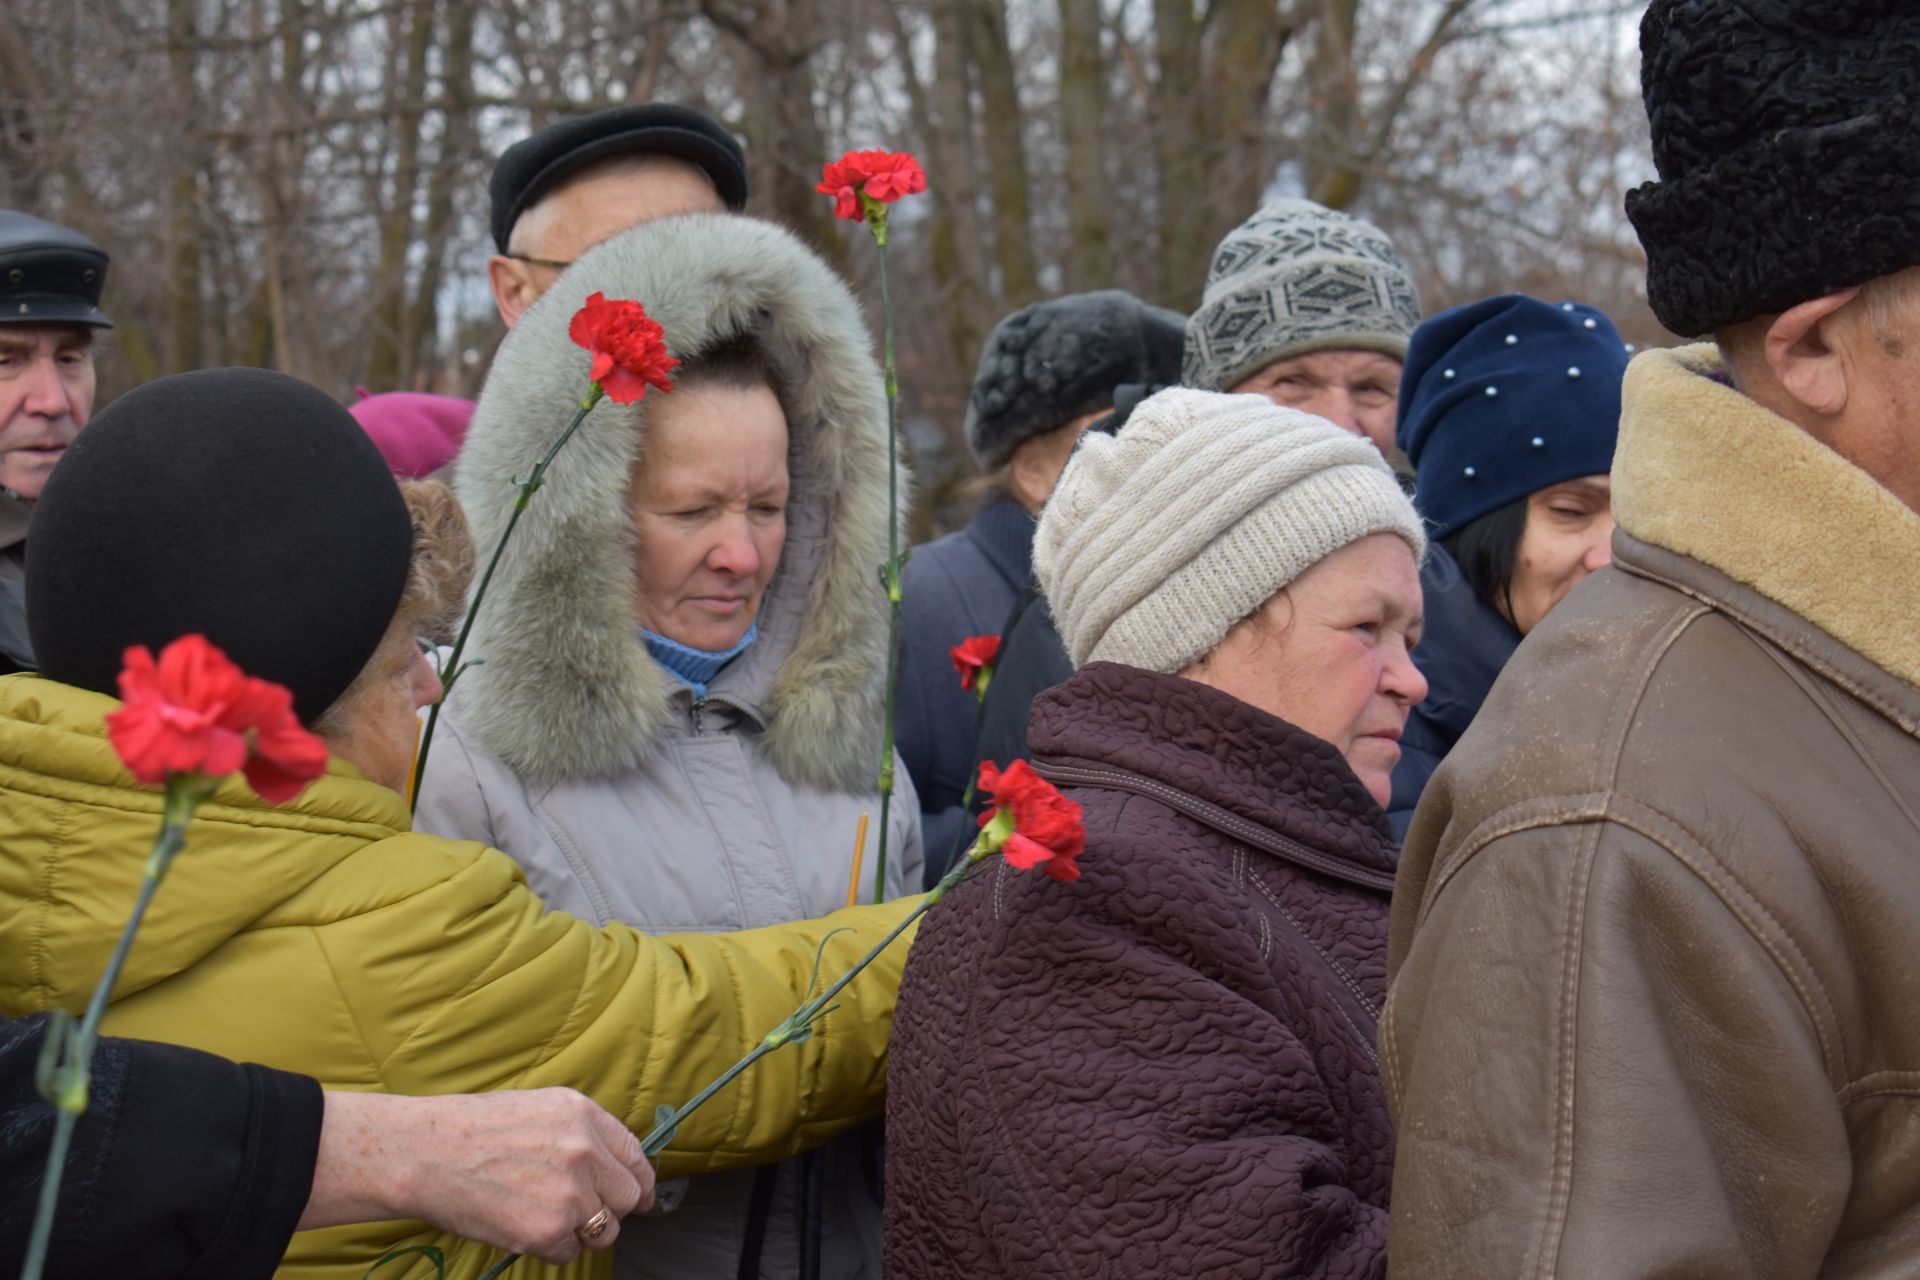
(699, 705)
(1212, 815)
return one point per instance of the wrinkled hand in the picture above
(519, 1170)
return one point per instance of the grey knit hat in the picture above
(1158, 540)
(1049, 363)
(1293, 278)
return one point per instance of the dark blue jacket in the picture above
(958, 586)
(1032, 660)
(1465, 646)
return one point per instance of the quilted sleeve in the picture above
(471, 985)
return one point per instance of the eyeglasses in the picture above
(548, 263)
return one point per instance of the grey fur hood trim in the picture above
(565, 689)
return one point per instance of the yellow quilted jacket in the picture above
(326, 938)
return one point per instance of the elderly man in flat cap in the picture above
(555, 195)
(568, 187)
(50, 281)
(1654, 930)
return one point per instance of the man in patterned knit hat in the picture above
(1311, 308)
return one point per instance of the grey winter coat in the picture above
(622, 796)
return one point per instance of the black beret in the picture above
(1781, 131)
(48, 274)
(237, 503)
(530, 168)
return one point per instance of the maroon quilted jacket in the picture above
(1166, 1068)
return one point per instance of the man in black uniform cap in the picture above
(568, 187)
(50, 281)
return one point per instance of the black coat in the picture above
(957, 586)
(1462, 653)
(1032, 660)
(16, 651)
(184, 1164)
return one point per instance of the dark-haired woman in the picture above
(1509, 408)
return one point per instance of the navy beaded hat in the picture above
(1504, 397)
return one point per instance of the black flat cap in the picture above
(530, 168)
(240, 504)
(48, 274)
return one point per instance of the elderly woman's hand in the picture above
(525, 1171)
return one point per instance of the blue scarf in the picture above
(697, 667)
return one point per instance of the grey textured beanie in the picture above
(1049, 363)
(1158, 540)
(1298, 277)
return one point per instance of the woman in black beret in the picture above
(323, 936)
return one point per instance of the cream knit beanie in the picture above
(1158, 540)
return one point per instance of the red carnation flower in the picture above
(973, 658)
(1049, 831)
(194, 711)
(629, 347)
(883, 176)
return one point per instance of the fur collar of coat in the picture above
(1706, 472)
(565, 689)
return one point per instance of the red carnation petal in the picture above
(1062, 868)
(191, 711)
(1024, 854)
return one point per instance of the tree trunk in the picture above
(1248, 40)
(183, 272)
(456, 144)
(943, 117)
(388, 363)
(1334, 151)
(1083, 96)
(1006, 155)
(786, 146)
(1180, 112)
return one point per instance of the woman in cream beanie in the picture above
(1176, 1053)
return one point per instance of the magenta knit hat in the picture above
(417, 433)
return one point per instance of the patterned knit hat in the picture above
(1158, 540)
(1293, 278)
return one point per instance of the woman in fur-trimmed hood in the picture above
(675, 717)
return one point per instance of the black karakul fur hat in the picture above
(1053, 361)
(1784, 133)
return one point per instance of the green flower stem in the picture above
(877, 223)
(656, 1141)
(453, 668)
(813, 1010)
(71, 1070)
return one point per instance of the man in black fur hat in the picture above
(1654, 927)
